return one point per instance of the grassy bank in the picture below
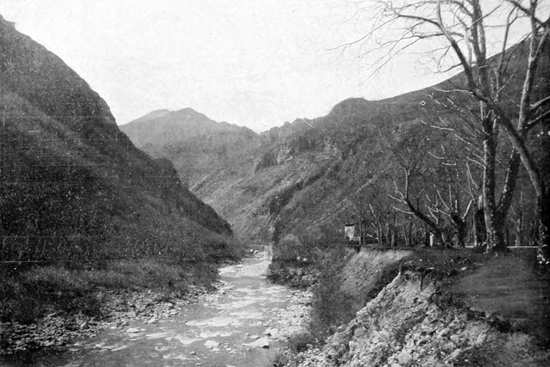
(45, 306)
(507, 291)
(26, 295)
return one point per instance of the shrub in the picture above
(300, 342)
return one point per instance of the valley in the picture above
(404, 231)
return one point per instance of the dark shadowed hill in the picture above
(72, 185)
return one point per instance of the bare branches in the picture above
(529, 12)
(540, 103)
(511, 18)
(403, 197)
(460, 34)
(532, 123)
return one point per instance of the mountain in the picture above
(309, 177)
(73, 186)
(195, 144)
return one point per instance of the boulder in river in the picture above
(259, 343)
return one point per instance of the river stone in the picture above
(404, 357)
(259, 343)
(212, 344)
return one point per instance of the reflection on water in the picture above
(238, 325)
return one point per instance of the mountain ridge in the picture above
(312, 173)
(196, 144)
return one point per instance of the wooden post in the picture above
(364, 233)
(361, 234)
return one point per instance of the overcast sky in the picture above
(256, 63)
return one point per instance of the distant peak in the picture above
(356, 101)
(5, 21)
(152, 115)
(160, 111)
(188, 110)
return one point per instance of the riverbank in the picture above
(48, 308)
(244, 320)
(60, 331)
(428, 307)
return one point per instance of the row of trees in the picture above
(493, 120)
(433, 187)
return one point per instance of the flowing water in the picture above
(242, 324)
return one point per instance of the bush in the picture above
(300, 342)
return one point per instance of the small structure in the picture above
(356, 233)
(350, 232)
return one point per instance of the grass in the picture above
(26, 295)
(508, 290)
(512, 288)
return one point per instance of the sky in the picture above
(256, 63)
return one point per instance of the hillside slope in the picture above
(244, 176)
(309, 177)
(197, 145)
(73, 186)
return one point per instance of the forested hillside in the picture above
(308, 178)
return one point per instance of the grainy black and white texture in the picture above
(389, 231)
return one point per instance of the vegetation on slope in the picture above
(310, 177)
(77, 197)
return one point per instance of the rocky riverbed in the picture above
(56, 331)
(242, 323)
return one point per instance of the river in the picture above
(243, 323)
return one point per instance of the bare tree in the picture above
(460, 28)
(436, 198)
(403, 196)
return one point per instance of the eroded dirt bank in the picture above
(424, 316)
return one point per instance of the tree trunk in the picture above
(543, 211)
(426, 236)
(518, 241)
(519, 222)
(479, 226)
(493, 222)
(461, 234)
